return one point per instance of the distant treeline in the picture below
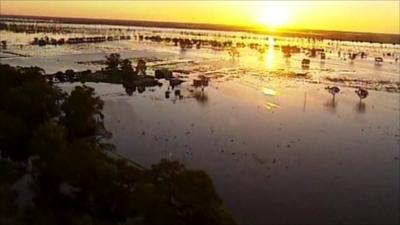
(334, 35)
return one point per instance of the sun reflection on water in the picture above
(271, 55)
(270, 91)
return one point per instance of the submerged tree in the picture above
(70, 75)
(112, 61)
(128, 74)
(141, 67)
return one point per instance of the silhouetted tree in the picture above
(128, 74)
(112, 61)
(9, 173)
(83, 114)
(70, 74)
(26, 101)
(141, 67)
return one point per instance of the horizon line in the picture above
(195, 26)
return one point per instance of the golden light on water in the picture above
(271, 106)
(269, 91)
(370, 16)
(271, 53)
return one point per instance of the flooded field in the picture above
(279, 147)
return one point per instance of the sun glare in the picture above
(273, 16)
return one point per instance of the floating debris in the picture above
(258, 159)
(271, 106)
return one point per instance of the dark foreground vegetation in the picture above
(58, 143)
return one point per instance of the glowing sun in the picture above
(273, 16)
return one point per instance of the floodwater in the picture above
(279, 148)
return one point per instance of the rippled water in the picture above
(66, 56)
(279, 148)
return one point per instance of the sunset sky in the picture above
(370, 16)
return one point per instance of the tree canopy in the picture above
(59, 140)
